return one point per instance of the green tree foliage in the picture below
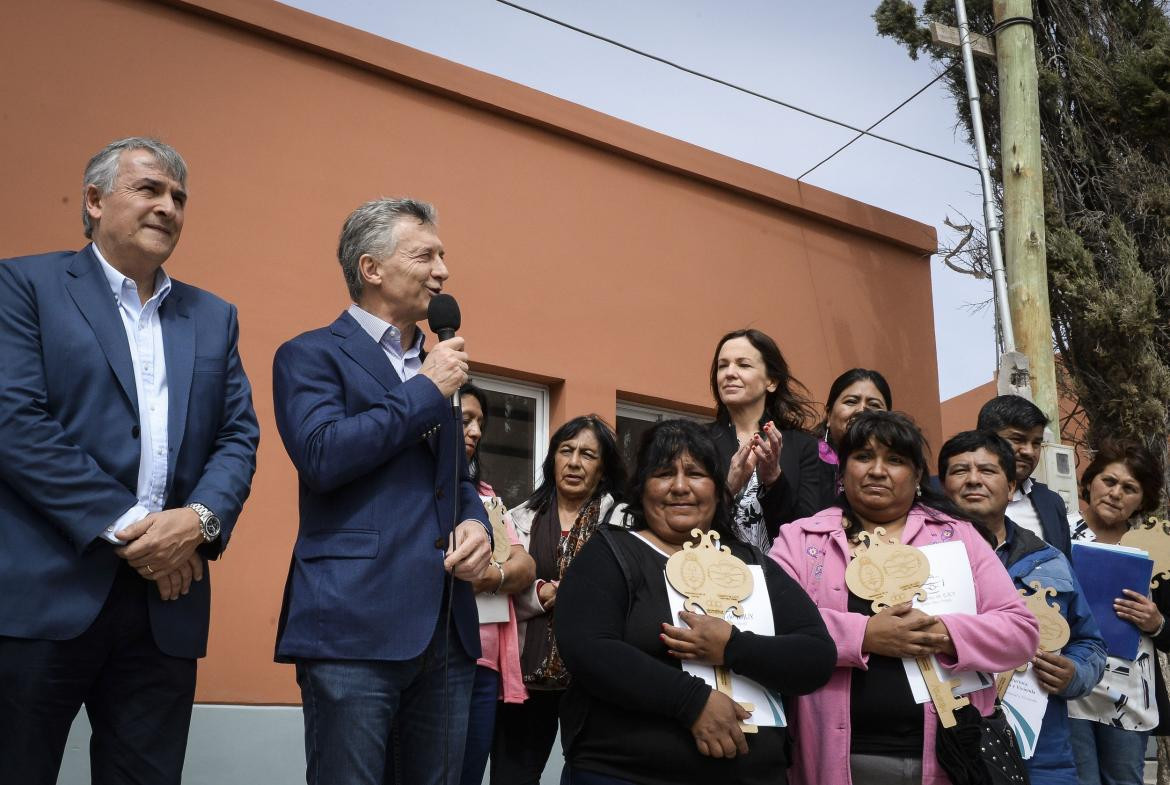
(1104, 84)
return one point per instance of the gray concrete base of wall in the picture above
(237, 745)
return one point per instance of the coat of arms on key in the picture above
(888, 574)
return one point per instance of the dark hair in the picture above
(664, 442)
(613, 469)
(847, 380)
(1142, 464)
(899, 434)
(970, 441)
(788, 405)
(469, 388)
(1010, 411)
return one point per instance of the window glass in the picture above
(515, 438)
(634, 419)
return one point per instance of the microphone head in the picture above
(443, 315)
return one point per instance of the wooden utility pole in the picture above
(1023, 199)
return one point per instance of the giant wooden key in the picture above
(1054, 629)
(891, 573)
(1153, 537)
(714, 582)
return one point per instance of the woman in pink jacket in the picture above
(864, 726)
(497, 672)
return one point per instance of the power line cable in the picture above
(881, 120)
(732, 85)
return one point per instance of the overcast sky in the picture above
(823, 56)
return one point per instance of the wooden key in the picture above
(714, 582)
(723, 684)
(942, 693)
(892, 573)
(1153, 537)
(1054, 629)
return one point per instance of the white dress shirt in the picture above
(1022, 512)
(389, 337)
(144, 334)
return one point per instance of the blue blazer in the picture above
(1053, 517)
(377, 460)
(69, 449)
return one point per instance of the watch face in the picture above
(212, 527)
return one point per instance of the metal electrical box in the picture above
(1058, 470)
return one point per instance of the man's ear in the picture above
(369, 270)
(93, 202)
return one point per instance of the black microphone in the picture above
(443, 316)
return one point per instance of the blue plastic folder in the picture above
(1104, 571)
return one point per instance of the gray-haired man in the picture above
(366, 417)
(127, 448)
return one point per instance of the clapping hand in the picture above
(760, 455)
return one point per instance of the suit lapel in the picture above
(178, 331)
(364, 351)
(91, 293)
(368, 353)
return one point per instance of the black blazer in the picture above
(798, 493)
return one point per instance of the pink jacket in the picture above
(1003, 634)
(500, 642)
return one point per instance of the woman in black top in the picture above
(632, 714)
(855, 391)
(769, 460)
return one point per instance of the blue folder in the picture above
(1103, 573)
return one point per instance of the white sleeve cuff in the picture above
(133, 515)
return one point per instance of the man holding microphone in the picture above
(367, 420)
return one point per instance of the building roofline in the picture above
(494, 94)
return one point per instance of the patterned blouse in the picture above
(1125, 697)
(747, 516)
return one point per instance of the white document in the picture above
(1024, 705)
(949, 589)
(493, 608)
(757, 618)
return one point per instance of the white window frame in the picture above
(646, 413)
(502, 385)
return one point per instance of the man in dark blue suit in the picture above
(1033, 505)
(127, 448)
(366, 417)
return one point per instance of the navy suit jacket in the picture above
(378, 499)
(1053, 517)
(69, 449)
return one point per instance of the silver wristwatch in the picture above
(209, 525)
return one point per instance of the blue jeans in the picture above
(1107, 755)
(353, 708)
(481, 723)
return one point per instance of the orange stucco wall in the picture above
(583, 250)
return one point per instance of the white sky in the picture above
(823, 56)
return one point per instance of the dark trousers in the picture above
(137, 698)
(572, 776)
(524, 737)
